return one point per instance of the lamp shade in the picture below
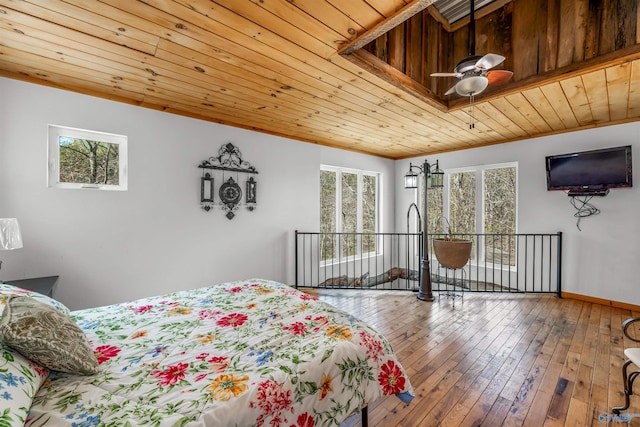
(437, 178)
(10, 237)
(472, 85)
(411, 180)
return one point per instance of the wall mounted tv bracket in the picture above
(588, 192)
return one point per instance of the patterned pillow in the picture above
(7, 291)
(46, 336)
(20, 380)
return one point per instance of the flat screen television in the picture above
(594, 170)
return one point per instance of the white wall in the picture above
(599, 261)
(115, 246)
(110, 246)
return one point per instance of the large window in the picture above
(434, 208)
(483, 200)
(86, 159)
(348, 204)
(462, 202)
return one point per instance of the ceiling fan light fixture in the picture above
(467, 64)
(471, 86)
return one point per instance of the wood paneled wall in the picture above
(536, 37)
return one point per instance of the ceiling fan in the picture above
(474, 71)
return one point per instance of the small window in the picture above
(86, 159)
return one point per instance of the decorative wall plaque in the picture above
(227, 164)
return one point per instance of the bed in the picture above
(247, 353)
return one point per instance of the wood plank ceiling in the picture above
(280, 66)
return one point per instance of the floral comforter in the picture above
(253, 353)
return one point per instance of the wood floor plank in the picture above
(544, 394)
(496, 359)
(615, 391)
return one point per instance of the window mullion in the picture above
(480, 202)
(480, 213)
(446, 202)
(360, 212)
(359, 204)
(339, 206)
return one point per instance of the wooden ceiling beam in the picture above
(435, 14)
(386, 72)
(411, 9)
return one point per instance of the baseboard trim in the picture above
(610, 303)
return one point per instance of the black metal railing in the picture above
(392, 261)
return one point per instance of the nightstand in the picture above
(42, 285)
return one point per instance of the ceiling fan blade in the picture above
(499, 77)
(444, 74)
(450, 91)
(490, 60)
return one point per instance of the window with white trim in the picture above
(81, 158)
(349, 200)
(483, 200)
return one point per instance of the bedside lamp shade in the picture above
(10, 237)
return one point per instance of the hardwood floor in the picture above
(497, 359)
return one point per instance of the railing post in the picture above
(295, 251)
(559, 269)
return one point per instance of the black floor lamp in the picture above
(433, 178)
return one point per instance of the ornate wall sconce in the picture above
(206, 191)
(251, 193)
(228, 160)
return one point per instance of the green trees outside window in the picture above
(86, 161)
